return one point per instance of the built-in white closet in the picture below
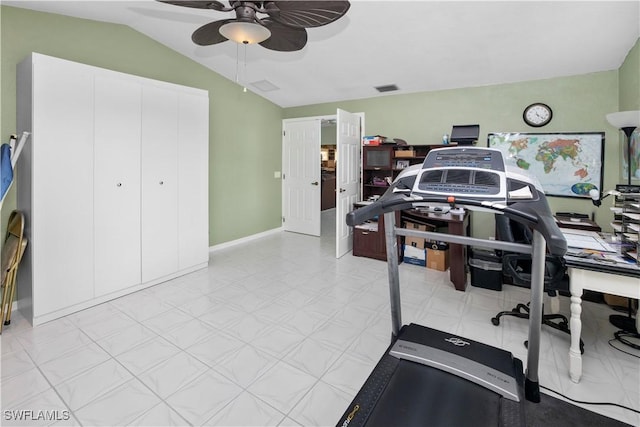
(114, 184)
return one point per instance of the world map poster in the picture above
(565, 164)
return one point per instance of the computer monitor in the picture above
(465, 134)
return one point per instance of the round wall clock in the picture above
(537, 114)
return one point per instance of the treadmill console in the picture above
(469, 172)
(470, 157)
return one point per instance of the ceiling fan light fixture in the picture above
(245, 32)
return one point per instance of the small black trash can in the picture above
(486, 269)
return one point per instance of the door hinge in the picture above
(283, 175)
(283, 219)
(284, 133)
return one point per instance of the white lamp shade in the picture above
(245, 32)
(624, 119)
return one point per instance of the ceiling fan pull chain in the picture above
(237, 62)
(244, 79)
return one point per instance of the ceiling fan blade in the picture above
(284, 38)
(203, 4)
(306, 14)
(209, 33)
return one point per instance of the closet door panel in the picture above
(62, 184)
(118, 103)
(193, 187)
(159, 182)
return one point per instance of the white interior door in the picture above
(347, 175)
(301, 176)
(159, 182)
(117, 184)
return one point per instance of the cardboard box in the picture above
(416, 226)
(438, 260)
(616, 301)
(372, 141)
(417, 242)
(414, 256)
(405, 153)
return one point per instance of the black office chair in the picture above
(516, 270)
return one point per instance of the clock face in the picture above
(537, 114)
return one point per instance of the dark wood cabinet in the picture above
(328, 191)
(369, 240)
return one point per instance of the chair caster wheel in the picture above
(495, 321)
(8, 322)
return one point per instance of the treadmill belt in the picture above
(417, 396)
(413, 395)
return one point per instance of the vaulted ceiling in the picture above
(416, 45)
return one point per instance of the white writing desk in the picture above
(616, 279)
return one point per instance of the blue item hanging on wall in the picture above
(6, 171)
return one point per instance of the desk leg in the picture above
(575, 324)
(457, 266)
(457, 258)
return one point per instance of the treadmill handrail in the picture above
(541, 218)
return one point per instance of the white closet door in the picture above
(62, 186)
(118, 104)
(193, 186)
(159, 182)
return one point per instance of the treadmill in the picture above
(429, 377)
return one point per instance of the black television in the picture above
(465, 134)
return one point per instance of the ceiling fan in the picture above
(283, 29)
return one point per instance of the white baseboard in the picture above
(231, 243)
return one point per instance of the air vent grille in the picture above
(386, 88)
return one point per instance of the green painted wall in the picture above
(245, 130)
(579, 104)
(328, 134)
(630, 80)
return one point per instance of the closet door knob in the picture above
(119, 184)
(314, 183)
(161, 182)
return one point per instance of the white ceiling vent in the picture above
(264, 86)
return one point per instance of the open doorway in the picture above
(302, 167)
(328, 162)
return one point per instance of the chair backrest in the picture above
(508, 230)
(12, 248)
(517, 267)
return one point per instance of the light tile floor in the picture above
(274, 332)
